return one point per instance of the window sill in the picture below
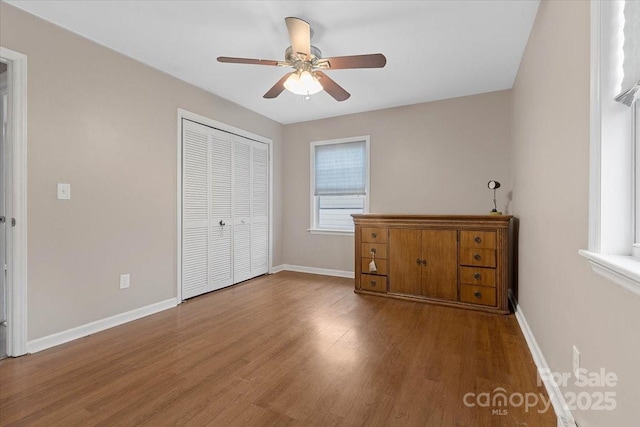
(622, 270)
(331, 232)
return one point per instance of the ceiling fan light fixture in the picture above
(303, 83)
(307, 62)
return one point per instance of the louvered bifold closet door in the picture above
(221, 220)
(195, 212)
(259, 209)
(242, 209)
(225, 209)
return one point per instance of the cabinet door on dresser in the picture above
(440, 264)
(405, 262)
(423, 262)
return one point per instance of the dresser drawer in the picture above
(379, 249)
(478, 239)
(381, 265)
(478, 257)
(477, 276)
(374, 235)
(370, 282)
(482, 295)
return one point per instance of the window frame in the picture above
(635, 130)
(314, 213)
(612, 249)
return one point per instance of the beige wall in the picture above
(432, 158)
(107, 125)
(564, 302)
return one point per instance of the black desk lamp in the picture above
(494, 185)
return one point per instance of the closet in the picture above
(225, 208)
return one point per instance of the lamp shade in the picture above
(493, 185)
(303, 83)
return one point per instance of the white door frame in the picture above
(16, 206)
(184, 114)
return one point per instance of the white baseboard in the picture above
(97, 326)
(277, 269)
(314, 270)
(565, 419)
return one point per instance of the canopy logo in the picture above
(595, 394)
(499, 401)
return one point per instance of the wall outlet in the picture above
(576, 362)
(64, 191)
(125, 281)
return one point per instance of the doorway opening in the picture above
(4, 97)
(13, 212)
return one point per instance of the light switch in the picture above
(64, 191)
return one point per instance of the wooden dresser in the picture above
(457, 260)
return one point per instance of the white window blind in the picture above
(631, 65)
(340, 169)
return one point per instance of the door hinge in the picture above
(2, 220)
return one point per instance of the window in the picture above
(339, 183)
(614, 205)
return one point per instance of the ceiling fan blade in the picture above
(331, 87)
(300, 36)
(374, 60)
(247, 61)
(277, 88)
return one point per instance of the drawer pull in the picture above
(374, 235)
(477, 276)
(477, 295)
(477, 239)
(373, 283)
(373, 250)
(477, 257)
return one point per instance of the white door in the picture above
(195, 210)
(220, 218)
(242, 209)
(259, 209)
(225, 205)
(251, 209)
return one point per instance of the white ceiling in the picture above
(434, 49)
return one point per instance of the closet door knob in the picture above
(418, 261)
(477, 239)
(222, 223)
(424, 262)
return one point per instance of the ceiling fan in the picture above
(307, 62)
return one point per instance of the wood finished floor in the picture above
(287, 349)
